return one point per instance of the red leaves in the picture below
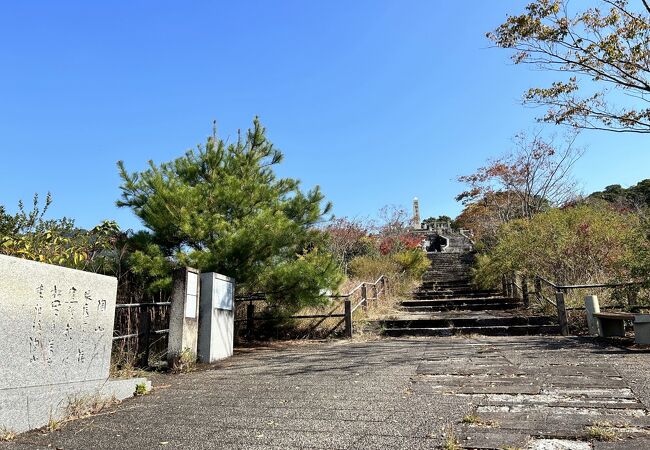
(392, 244)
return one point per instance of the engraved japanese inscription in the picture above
(56, 323)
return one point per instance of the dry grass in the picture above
(601, 432)
(125, 368)
(7, 435)
(473, 419)
(379, 306)
(184, 362)
(79, 407)
(450, 441)
(53, 425)
(84, 406)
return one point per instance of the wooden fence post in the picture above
(561, 313)
(348, 318)
(364, 296)
(592, 307)
(524, 291)
(250, 313)
(144, 336)
(538, 289)
(632, 296)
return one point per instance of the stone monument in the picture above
(56, 329)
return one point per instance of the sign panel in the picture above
(191, 291)
(223, 292)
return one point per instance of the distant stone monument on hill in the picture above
(415, 222)
(439, 235)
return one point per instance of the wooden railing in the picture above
(516, 286)
(142, 327)
(378, 288)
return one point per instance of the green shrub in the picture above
(587, 243)
(413, 262)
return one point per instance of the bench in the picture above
(613, 324)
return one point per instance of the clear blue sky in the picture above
(375, 101)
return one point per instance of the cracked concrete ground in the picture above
(486, 392)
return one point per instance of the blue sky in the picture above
(375, 101)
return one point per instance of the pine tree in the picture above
(221, 208)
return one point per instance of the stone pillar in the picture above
(217, 311)
(184, 315)
(592, 307)
(416, 214)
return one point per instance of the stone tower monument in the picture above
(416, 214)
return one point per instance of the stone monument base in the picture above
(27, 408)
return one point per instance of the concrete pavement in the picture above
(488, 392)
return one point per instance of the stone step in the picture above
(448, 287)
(450, 308)
(447, 291)
(443, 279)
(460, 301)
(457, 282)
(457, 272)
(515, 330)
(456, 293)
(467, 322)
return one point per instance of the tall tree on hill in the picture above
(221, 208)
(603, 50)
(635, 197)
(536, 175)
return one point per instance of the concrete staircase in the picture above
(457, 242)
(447, 304)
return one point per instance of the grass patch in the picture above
(473, 419)
(601, 432)
(53, 425)
(84, 406)
(78, 408)
(7, 435)
(450, 441)
(140, 389)
(184, 362)
(126, 369)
